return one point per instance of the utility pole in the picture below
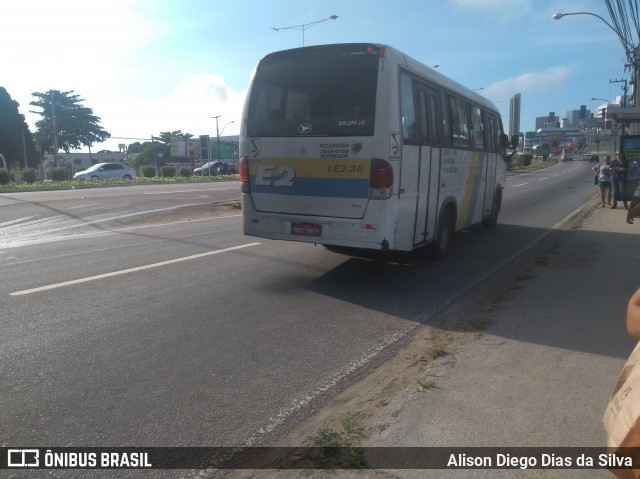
(624, 100)
(624, 88)
(217, 134)
(55, 132)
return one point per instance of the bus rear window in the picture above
(311, 92)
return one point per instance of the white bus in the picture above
(360, 146)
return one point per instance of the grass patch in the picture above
(541, 261)
(582, 218)
(533, 166)
(70, 185)
(502, 297)
(326, 437)
(435, 351)
(526, 277)
(351, 425)
(337, 450)
(479, 324)
(425, 384)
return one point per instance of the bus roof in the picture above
(406, 61)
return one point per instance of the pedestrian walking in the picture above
(604, 179)
(634, 207)
(619, 168)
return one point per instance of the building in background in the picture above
(549, 121)
(514, 115)
(577, 118)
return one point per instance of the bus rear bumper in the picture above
(313, 229)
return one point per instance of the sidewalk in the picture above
(542, 373)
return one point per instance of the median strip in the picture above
(130, 270)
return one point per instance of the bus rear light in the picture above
(244, 169)
(243, 166)
(380, 179)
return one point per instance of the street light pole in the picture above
(304, 26)
(630, 50)
(226, 125)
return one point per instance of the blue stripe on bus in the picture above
(346, 188)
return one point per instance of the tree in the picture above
(152, 153)
(66, 122)
(16, 140)
(134, 148)
(155, 152)
(166, 136)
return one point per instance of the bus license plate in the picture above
(306, 229)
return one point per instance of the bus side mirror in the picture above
(504, 140)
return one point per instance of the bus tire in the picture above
(444, 235)
(491, 221)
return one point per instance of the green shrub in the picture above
(4, 176)
(59, 174)
(185, 172)
(526, 159)
(168, 171)
(29, 175)
(148, 171)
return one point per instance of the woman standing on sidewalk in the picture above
(619, 168)
(604, 179)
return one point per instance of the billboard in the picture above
(185, 149)
(228, 150)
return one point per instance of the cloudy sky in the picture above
(146, 66)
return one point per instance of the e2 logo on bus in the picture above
(267, 175)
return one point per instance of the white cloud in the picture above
(189, 108)
(504, 10)
(549, 80)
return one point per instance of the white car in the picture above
(105, 171)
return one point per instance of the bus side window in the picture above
(493, 135)
(460, 122)
(429, 116)
(477, 128)
(490, 128)
(408, 111)
(444, 115)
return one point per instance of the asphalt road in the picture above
(187, 333)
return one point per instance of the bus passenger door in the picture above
(429, 170)
(491, 128)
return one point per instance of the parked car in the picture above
(105, 171)
(591, 158)
(214, 168)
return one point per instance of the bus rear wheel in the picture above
(491, 221)
(444, 236)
